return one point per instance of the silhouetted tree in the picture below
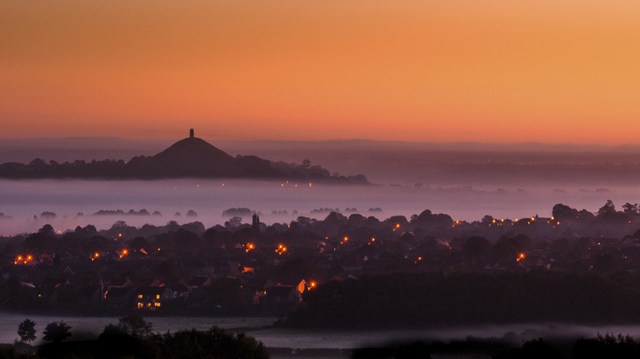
(135, 326)
(562, 213)
(487, 219)
(27, 330)
(43, 240)
(56, 332)
(606, 346)
(234, 222)
(608, 209)
(533, 349)
(631, 209)
(214, 343)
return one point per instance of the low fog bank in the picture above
(76, 202)
(462, 164)
(466, 181)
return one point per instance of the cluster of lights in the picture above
(295, 184)
(555, 223)
(520, 257)
(396, 227)
(20, 259)
(123, 253)
(344, 240)
(249, 247)
(281, 249)
(95, 256)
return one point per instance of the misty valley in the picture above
(322, 258)
(440, 252)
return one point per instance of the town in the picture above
(253, 269)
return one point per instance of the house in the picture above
(254, 290)
(284, 293)
(119, 297)
(198, 282)
(152, 298)
(180, 291)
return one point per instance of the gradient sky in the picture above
(428, 70)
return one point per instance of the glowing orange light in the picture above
(281, 249)
(520, 257)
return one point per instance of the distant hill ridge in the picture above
(191, 157)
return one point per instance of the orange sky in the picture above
(438, 71)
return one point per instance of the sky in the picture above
(551, 71)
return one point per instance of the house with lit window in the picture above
(152, 298)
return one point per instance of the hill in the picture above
(191, 157)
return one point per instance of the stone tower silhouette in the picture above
(191, 133)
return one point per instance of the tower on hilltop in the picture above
(191, 133)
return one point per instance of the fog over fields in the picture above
(465, 180)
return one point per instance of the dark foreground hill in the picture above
(191, 157)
